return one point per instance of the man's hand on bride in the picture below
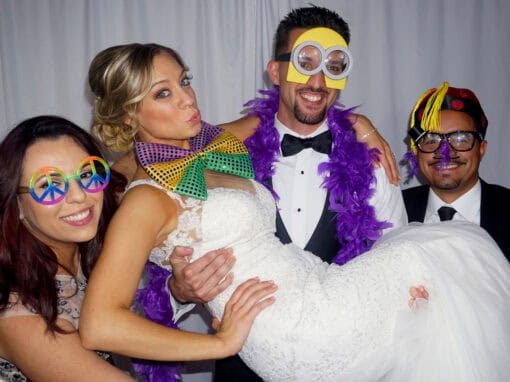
(247, 301)
(202, 280)
(416, 293)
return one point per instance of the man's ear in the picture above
(483, 148)
(273, 71)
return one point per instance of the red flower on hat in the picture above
(457, 104)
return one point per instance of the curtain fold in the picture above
(401, 48)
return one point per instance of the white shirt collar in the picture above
(467, 206)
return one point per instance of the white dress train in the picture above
(353, 323)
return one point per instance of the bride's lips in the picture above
(195, 118)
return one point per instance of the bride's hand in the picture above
(366, 132)
(416, 293)
(247, 301)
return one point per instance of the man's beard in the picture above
(309, 119)
(446, 182)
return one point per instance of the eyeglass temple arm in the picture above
(416, 133)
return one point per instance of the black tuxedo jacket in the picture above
(324, 244)
(494, 211)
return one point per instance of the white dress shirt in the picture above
(298, 184)
(467, 206)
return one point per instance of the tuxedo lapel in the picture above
(494, 214)
(415, 200)
(485, 207)
(281, 230)
(323, 242)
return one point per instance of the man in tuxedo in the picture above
(299, 115)
(447, 135)
(303, 141)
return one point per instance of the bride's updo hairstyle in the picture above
(120, 77)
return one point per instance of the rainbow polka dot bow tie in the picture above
(182, 171)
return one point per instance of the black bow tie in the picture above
(292, 145)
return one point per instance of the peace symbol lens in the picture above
(49, 185)
(310, 58)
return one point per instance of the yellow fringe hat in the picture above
(425, 114)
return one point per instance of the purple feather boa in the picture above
(348, 175)
(264, 144)
(411, 161)
(155, 302)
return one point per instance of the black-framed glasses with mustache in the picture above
(458, 140)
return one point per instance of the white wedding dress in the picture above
(353, 323)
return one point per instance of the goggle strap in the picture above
(283, 57)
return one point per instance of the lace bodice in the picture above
(205, 228)
(188, 224)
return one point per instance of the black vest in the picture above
(323, 242)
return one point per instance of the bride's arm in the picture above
(366, 132)
(143, 221)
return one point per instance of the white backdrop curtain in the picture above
(401, 48)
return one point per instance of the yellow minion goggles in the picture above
(319, 49)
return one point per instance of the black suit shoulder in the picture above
(415, 200)
(495, 214)
(496, 202)
(497, 190)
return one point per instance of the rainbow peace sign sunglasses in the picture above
(49, 185)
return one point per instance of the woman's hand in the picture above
(366, 132)
(247, 301)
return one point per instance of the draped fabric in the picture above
(400, 48)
